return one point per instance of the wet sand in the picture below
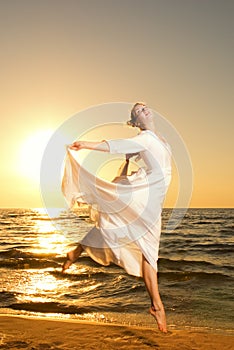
(42, 334)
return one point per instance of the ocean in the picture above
(196, 271)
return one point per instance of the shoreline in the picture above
(32, 333)
(103, 321)
(153, 327)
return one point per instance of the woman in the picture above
(129, 224)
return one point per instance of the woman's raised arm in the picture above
(97, 146)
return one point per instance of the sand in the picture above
(42, 334)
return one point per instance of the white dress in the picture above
(129, 223)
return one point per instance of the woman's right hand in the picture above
(98, 146)
(77, 145)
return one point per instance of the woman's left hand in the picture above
(130, 155)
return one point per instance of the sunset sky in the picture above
(61, 57)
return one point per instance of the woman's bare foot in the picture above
(72, 257)
(69, 261)
(160, 317)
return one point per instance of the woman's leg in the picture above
(72, 256)
(151, 283)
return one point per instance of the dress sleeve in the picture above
(134, 144)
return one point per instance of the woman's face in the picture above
(143, 114)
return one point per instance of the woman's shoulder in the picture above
(156, 137)
(149, 135)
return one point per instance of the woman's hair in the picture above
(133, 115)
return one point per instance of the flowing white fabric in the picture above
(129, 223)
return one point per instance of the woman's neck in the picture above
(149, 125)
(150, 128)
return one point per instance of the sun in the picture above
(31, 154)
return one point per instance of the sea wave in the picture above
(186, 276)
(59, 308)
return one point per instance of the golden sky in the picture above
(60, 57)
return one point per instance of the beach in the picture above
(37, 334)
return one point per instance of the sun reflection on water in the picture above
(41, 284)
(49, 239)
(44, 226)
(54, 243)
(54, 212)
(40, 287)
